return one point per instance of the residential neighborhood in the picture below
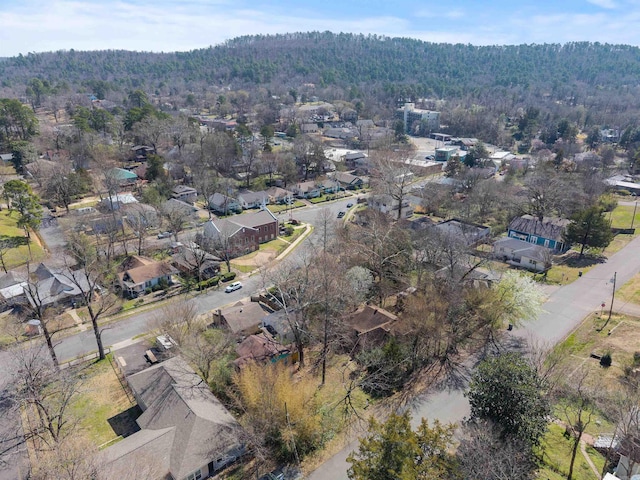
(219, 280)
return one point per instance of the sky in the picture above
(179, 25)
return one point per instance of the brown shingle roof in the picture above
(146, 271)
(367, 318)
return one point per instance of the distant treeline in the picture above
(401, 66)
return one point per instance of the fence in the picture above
(79, 360)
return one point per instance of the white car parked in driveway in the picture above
(233, 287)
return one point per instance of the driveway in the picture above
(565, 308)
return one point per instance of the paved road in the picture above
(563, 311)
(13, 463)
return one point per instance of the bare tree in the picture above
(482, 455)
(176, 216)
(141, 219)
(72, 458)
(578, 405)
(45, 392)
(393, 177)
(39, 308)
(92, 279)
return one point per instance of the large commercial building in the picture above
(409, 114)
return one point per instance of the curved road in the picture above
(563, 312)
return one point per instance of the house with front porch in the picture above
(349, 181)
(224, 204)
(548, 232)
(140, 273)
(249, 199)
(306, 190)
(184, 193)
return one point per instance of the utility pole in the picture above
(613, 296)
(634, 214)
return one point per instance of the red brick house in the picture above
(244, 233)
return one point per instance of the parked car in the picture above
(233, 287)
(164, 235)
(340, 214)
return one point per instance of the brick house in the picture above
(242, 233)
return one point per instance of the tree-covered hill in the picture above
(346, 59)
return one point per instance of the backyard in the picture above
(105, 411)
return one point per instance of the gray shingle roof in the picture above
(551, 228)
(175, 399)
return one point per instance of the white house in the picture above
(522, 254)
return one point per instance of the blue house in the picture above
(548, 233)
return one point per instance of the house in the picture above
(371, 326)
(249, 199)
(629, 449)
(140, 153)
(6, 157)
(329, 186)
(140, 215)
(621, 183)
(223, 204)
(185, 432)
(243, 318)
(388, 205)
(469, 233)
(117, 201)
(140, 273)
(184, 193)
(349, 181)
(121, 177)
(187, 210)
(309, 128)
(547, 233)
(260, 348)
(306, 190)
(356, 159)
(278, 195)
(195, 262)
(278, 322)
(242, 234)
(55, 287)
(12, 289)
(522, 254)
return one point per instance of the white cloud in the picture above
(170, 25)
(447, 13)
(609, 4)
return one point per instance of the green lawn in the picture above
(19, 254)
(622, 215)
(102, 398)
(630, 291)
(281, 208)
(556, 456)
